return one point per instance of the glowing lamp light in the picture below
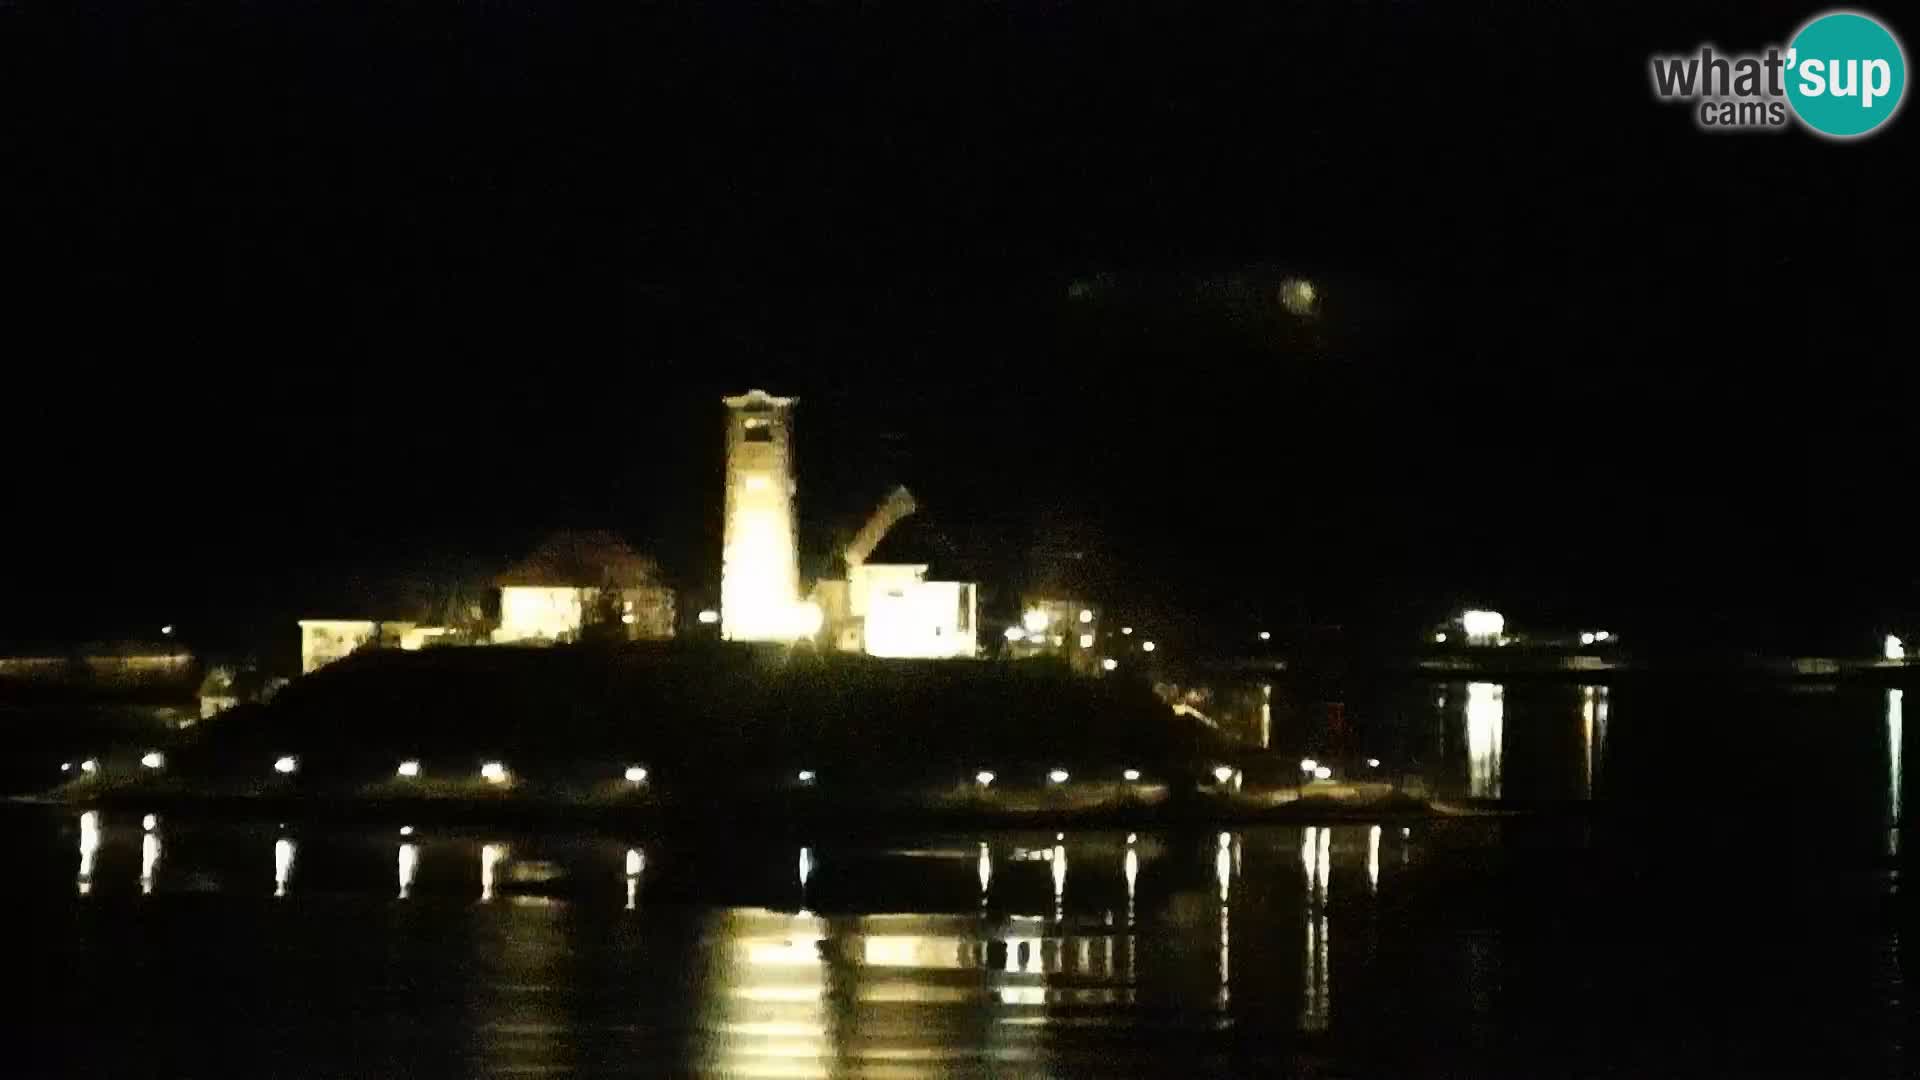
(1109, 664)
(1266, 635)
(1086, 641)
(1057, 776)
(709, 616)
(167, 630)
(1014, 633)
(1222, 773)
(1586, 637)
(66, 766)
(90, 766)
(1602, 635)
(636, 775)
(1128, 630)
(286, 765)
(635, 862)
(408, 769)
(627, 618)
(984, 778)
(1148, 646)
(153, 759)
(493, 772)
(1307, 764)
(806, 776)
(1483, 624)
(1323, 773)
(1440, 638)
(1130, 775)
(1893, 648)
(1036, 620)
(406, 830)
(1373, 763)
(1086, 615)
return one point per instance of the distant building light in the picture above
(1057, 776)
(1893, 648)
(91, 765)
(1323, 773)
(1266, 635)
(66, 766)
(1109, 664)
(493, 772)
(286, 764)
(1037, 638)
(1222, 773)
(167, 630)
(154, 759)
(1440, 638)
(1014, 633)
(406, 830)
(1126, 629)
(1483, 624)
(1147, 646)
(1086, 615)
(984, 778)
(636, 774)
(627, 618)
(1602, 635)
(1130, 775)
(1373, 763)
(806, 776)
(709, 616)
(1086, 641)
(1307, 764)
(1036, 620)
(408, 769)
(1586, 638)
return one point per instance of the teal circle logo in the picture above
(1845, 74)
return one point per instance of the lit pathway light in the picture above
(1307, 764)
(154, 759)
(1057, 776)
(806, 776)
(1130, 775)
(408, 769)
(1109, 664)
(286, 765)
(636, 775)
(1222, 773)
(493, 772)
(1323, 773)
(984, 778)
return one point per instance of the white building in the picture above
(760, 568)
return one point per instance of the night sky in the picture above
(301, 294)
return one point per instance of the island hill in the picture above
(707, 721)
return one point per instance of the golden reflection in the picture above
(986, 872)
(636, 862)
(1594, 705)
(490, 856)
(283, 852)
(89, 848)
(772, 1017)
(1223, 864)
(409, 864)
(1486, 717)
(1059, 861)
(1316, 857)
(149, 859)
(1373, 858)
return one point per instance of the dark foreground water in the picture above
(1741, 943)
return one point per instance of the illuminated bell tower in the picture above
(759, 569)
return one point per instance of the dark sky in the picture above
(299, 293)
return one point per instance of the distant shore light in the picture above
(807, 776)
(1893, 648)
(1483, 624)
(1222, 773)
(709, 616)
(91, 765)
(1086, 641)
(1440, 638)
(1148, 646)
(1086, 615)
(1602, 635)
(154, 759)
(408, 769)
(66, 766)
(1323, 773)
(1586, 637)
(984, 778)
(1058, 776)
(493, 772)
(1130, 775)
(636, 774)
(1014, 633)
(286, 764)
(1266, 635)
(1109, 664)
(1036, 620)
(1373, 763)
(1307, 764)
(1126, 629)
(167, 630)
(150, 822)
(406, 830)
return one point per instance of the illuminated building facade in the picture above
(760, 570)
(1069, 629)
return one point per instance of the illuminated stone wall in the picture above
(322, 641)
(760, 571)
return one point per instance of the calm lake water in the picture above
(1729, 901)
